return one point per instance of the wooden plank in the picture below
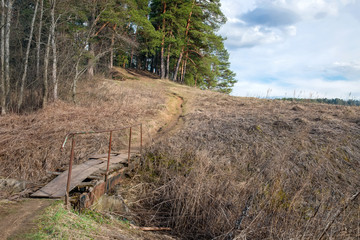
(57, 187)
(105, 155)
(117, 159)
(112, 155)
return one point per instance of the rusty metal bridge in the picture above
(94, 177)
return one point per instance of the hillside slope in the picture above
(29, 144)
(215, 166)
(254, 169)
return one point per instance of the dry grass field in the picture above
(226, 168)
(30, 143)
(254, 169)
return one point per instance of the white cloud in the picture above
(235, 20)
(318, 54)
(251, 36)
(233, 8)
(250, 25)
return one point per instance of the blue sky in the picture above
(301, 48)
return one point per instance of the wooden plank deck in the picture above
(57, 187)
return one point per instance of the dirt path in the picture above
(18, 218)
(174, 121)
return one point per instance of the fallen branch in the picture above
(150, 228)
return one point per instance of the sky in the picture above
(294, 48)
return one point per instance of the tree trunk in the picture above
(38, 42)
(138, 63)
(183, 48)
(131, 57)
(53, 46)
(168, 63)
(178, 65)
(2, 55)
(92, 23)
(111, 65)
(90, 71)
(162, 59)
(26, 64)
(77, 75)
(152, 65)
(78, 72)
(184, 70)
(133, 50)
(46, 65)
(7, 46)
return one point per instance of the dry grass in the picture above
(29, 144)
(233, 168)
(254, 169)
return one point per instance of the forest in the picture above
(48, 46)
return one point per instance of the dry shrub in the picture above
(254, 169)
(30, 143)
(194, 196)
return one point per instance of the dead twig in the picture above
(150, 228)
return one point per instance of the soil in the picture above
(174, 120)
(18, 218)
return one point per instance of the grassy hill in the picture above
(256, 169)
(215, 166)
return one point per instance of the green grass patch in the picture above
(60, 223)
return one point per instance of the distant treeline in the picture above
(335, 101)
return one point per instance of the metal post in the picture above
(108, 160)
(129, 148)
(67, 197)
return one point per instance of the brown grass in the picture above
(29, 144)
(254, 169)
(235, 168)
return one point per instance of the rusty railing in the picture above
(72, 153)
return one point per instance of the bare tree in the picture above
(111, 64)
(162, 58)
(167, 76)
(89, 68)
(53, 46)
(26, 64)
(46, 66)
(38, 42)
(7, 45)
(2, 55)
